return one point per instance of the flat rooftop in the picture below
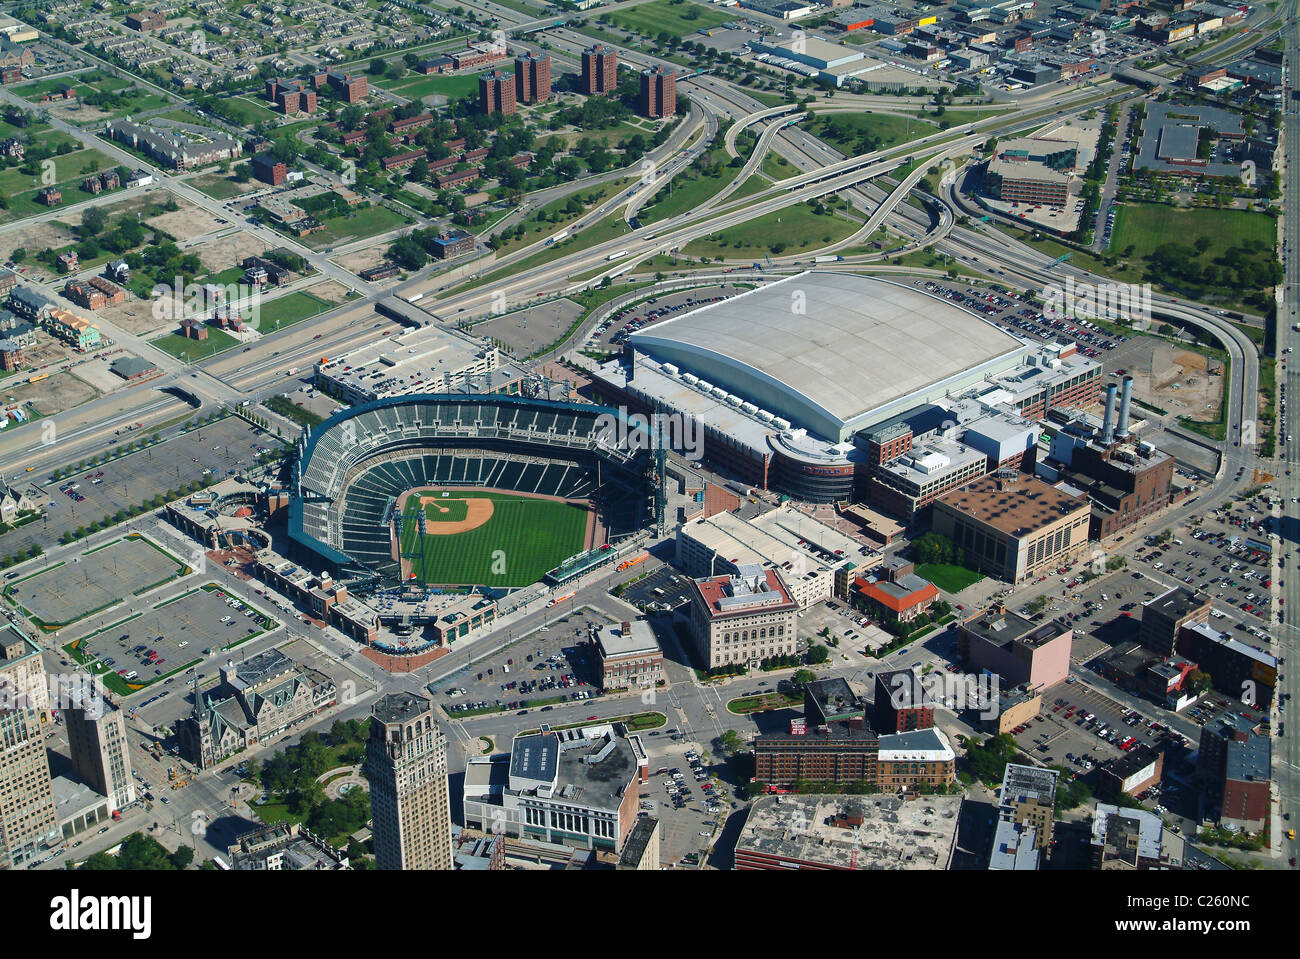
(829, 348)
(400, 707)
(1015, 508)
(638, 638)
(893, 834)
(1176, 603)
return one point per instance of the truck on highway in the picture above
(414, 298)
(618, 255)
(827, 259)
(559, 237)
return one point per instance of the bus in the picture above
(221, 864)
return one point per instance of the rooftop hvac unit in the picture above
(780, 423)
(704, 385)
(765, 416)
(734, 400)
(749, 408)
(670, 369)
(719, 392)
(690, 378)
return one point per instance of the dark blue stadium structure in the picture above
(351, 469)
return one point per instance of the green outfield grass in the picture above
(526, 536)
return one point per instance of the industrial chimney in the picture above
(1108, 421)
(1125, 397)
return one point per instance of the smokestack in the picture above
(1125, 396)
(1108, 421)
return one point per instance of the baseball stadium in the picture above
(452, 490)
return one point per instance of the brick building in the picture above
(743, 618)
(496, 92)
(599, 69)
(658, 92)
(533, 77)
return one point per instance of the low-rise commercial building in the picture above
(894, 592)
(1021, 652)
(628, 655)
(849, 832)
(578, 787)
(1013, 526)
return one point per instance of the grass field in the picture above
(523, 539)
(361, 223)
(650, 18)
(183, 347)
(950, 579)
(451, 87)
(69, 170)
(289, 309)
(781, 232)
(1149, 225)
(848, 131)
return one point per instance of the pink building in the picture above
(1036, 655)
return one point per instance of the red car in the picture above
(590, 718)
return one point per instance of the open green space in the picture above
(69, 170)
(854, 133)
(784, 231)
(221, 187)
(681, 19)
(522, 539)
(1220, 256)
(191, 351)
(289, 309)
(355, 226)
(949, 578)
(417, 86)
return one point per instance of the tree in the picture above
(817, 654)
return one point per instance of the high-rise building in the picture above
(658, 92)
(406, 763)
(97, 741)
(533, 77)
(599, 69)
(29, 822)
(496, 92)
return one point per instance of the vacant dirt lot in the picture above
(224, 252)
(1177, 379)
(331, 291)
(186, 223)
(359, 260)
(61, 391)
(34, 237)
(135, 316)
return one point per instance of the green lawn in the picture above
(522, 539)
(780, 232)
(417, 86)
(681, 19)
(950, 579)
(1147, 226)
(193, 350)
(289, 309)
(221, 187)
(362, 223)
(854, 133)
(778, 167)
(70, 169)
(247, 111)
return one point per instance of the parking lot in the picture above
(174, 634)
(549, 665)
(617, 327)
(680, 795)
(213, 450)
(664, 589)
(69, 592)
(1021, 315)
